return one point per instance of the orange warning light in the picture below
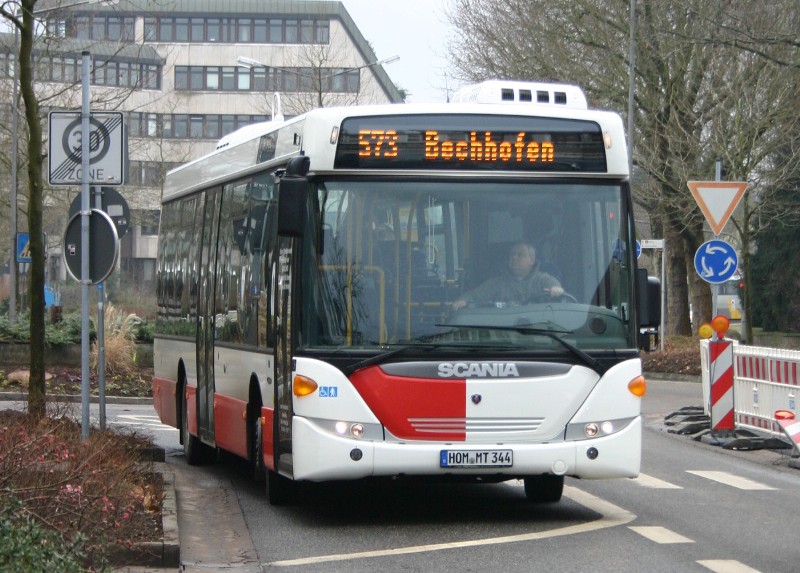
(705, 331)
(720, 324)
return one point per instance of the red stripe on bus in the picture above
(415, 408)
(191, 409)
(268, 437)
(230, 424)
(165, 400)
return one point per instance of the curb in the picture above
(74, 398)
(672, 377)
(155, 554)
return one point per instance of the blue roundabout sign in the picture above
(716, 261)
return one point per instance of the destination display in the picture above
(471, 142)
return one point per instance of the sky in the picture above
(416, 31)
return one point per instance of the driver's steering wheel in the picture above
(563, 297)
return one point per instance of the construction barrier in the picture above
(721, 377)
(765, 380)
(790, 426)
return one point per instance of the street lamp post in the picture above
(251, 63)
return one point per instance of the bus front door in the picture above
(287, 251)
(205, 316)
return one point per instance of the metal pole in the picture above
(12, 263)
(663, 296)
(85, 273)
(101, 332)
(715, 287)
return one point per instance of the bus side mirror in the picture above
(293, 193)
(648, 301)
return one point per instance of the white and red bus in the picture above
(307, 272)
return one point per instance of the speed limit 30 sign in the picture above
(106, 148)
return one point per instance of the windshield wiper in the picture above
(384, 356)
(552, 333)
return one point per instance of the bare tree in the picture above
(707, 73)
(22, 16)
(25, 24)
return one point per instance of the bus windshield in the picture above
(497, 263)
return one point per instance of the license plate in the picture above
(476, 458)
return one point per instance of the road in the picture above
(694, 508)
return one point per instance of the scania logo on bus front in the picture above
(478, 370)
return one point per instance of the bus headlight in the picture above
(599, 429)
(349, 429)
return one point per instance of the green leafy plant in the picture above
(63, 333)
(27, 546)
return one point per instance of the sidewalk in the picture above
(211, 528)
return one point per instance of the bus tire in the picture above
(279, 488)
(544, 488)
(257, 443)
(192, 446)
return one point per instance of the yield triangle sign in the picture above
(717, 200)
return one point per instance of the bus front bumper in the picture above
(321, 456)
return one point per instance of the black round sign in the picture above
(103, 246)
(113, 203)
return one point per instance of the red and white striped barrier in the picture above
(721, 377)
(765, 380)
(791, 427)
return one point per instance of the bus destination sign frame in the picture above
(471, 142)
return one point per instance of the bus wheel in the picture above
(257, 444)
(544, 488)
(192, 446)
(279, 488)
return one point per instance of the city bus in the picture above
(306, 279)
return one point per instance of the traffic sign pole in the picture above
(660, 245)
(101, 333)
(85, 213)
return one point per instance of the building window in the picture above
(150, 29)
(291, 31)
(198, 30)
(244, 35)
(192, 29)
(181, 126)
(212, 78)
(260, 31)
(182, 29)
(214, 30)
(149, 223)
(196, 78)
(196, 127)
(275, 31)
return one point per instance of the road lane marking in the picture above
(732, 480)
(645, 480)
(141, 420)
(611, 516)
(660, 534)
(727, 566)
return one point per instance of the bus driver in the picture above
(521, 284)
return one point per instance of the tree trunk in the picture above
(677, 318)
(36, 386)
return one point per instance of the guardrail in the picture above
(765, 380)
